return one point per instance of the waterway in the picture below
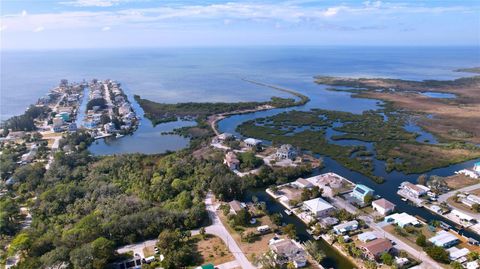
(344, 102)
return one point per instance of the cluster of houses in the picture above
(117, 106)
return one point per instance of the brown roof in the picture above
(384, 203)
(378, 246)
(235, 205)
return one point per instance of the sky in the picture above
(57, 24)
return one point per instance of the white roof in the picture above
(317, 204)
(462, 215)
(252, 141)
(442, 238)
(367, 236)
(456, 253)
(345, 225)
(473, 265)
(403, 218)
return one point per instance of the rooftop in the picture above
(318, 204)
(378, 246)
(442, 238)
(384, 203)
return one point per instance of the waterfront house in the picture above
(472, 265)
(331, 183)
(231, 160)
(476, 167)
(402, 219)
(109, 128)
(303, 183)
(286, 251)
(367, 236)
(236, 206)
(319, 207)
(383, 206)
(360, 192)
(463, 217)
(124, 109)
(252, 142)
(64, 115)
(286, 151)
(444, 239)
(457, 254)
(224, 137)
(374, 249)
(346, 227)
(415, 190)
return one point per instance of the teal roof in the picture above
(363, 187)
(208, 266)
(477, 164)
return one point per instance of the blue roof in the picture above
(477, 164)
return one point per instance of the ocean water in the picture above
(215, 74)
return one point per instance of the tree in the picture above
(315, 249)
(9, 215)
(476, 207)
(439, 254)
(242, 218)
(202, 232)
(456, 265)
(103, 250)
(421, 240)
(422, 179)
(290, 231)
(387, 258)
(368, 199)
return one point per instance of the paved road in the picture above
(427, 262)
(445, 196)
(217, 228)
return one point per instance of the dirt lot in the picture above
(213, 250)
(460, 181)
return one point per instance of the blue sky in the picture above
(49, 24)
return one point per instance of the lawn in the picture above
(410, 239)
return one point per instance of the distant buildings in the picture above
(383, 206)
(444, 239)
(231, 161)
(374, 249)
(361, 191)
(319, 207)
(286, 151)
(402, 219)
(286, 251)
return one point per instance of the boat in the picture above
(404, 199)
(119, 136)
(288, 212)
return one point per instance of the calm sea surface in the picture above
(215, 74)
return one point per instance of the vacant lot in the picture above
(212, 249)
(460, 181)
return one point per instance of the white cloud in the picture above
(106, 28)
(39, 29)
(285, 14)
(24, 13)
(91, 3)
(3, 28)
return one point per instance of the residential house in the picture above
(464, 217)
(361, 191)
(374, 249)
(383, 206)
(109, 128)
(236, 206)
(72, 127)
(224, 136)
(64, 115)
(286, 251)
(457, 254)
(346, 227)
(415, 190)
(472, 265)
(367, 236)
(444, 239)
(252, 142)
(319, 207)
(328, 222)
(286, 151)
(471, 199)
(476, 167)
(303, 183)
(402, 219)
(331, 183)
(16, 135)
(231, 160)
